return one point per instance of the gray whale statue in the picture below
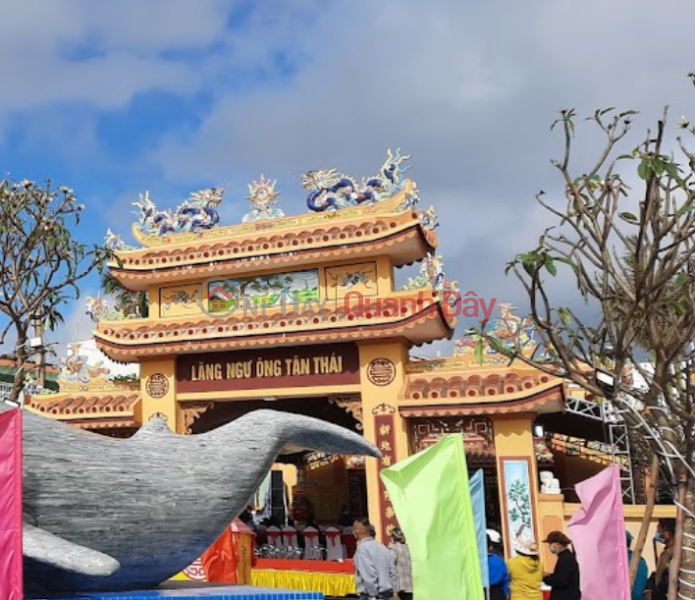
(105, 514)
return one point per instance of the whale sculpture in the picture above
(105, 514)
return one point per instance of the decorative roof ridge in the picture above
(402, 201)
(277, 242)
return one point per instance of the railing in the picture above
(5, 391)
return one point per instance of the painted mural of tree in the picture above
(521, 510)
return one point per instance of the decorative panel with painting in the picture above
(179, 301)
(264, 291)
(517, 498)
(360, 278)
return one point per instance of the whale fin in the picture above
(291, 433)
(50, 549)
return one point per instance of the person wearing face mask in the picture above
(564, 580)
(657, 586)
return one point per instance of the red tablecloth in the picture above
(317, 566)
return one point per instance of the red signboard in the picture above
(386, 442)
(299, 366)
(11, 587)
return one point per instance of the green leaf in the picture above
(687, 207)
(626, 157)
(658, 166)
(629, 217)
(565, 316)
(479, 350)
(565, 260)
(643, 169)
(672, 170)
(551, 268)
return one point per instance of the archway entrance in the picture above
(479, 446)
(335, 486)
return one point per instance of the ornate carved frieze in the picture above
(352, 405)
(191, 412)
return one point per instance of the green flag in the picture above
(430, 494)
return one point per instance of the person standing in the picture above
(642, 571)
(497, 568)
(657, 585)
(404, 569)
(564, 580)
(525, 572)
(375, 573)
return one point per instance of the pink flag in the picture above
(597, 531)
(11, 587)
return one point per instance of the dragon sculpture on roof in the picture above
(331, 190)
(197, 213)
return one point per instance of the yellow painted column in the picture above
(153, 302)
(516, 466)
(158, 392)
(382, 372)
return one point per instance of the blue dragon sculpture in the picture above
(330, 190)
(195, 214)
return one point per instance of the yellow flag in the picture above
(430, 494)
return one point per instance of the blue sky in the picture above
(118, 97)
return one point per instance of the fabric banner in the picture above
(11, 584)
(477, 485)
(597, 531)
(430, 495)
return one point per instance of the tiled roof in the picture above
(500, 384)
(549, 400)
(133, 339)
(402, 236)
(88, 410)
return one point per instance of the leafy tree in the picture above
(41, 264)
(128, 302)
(629, 252)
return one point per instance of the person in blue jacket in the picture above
(642, 572)
(497, 568)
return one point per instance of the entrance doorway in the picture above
(479, 447)
(334, 486)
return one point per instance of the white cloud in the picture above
(468, 89)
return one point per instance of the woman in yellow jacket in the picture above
(525, 572)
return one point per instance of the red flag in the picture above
(11, 585)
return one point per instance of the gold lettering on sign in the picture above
(260, 368)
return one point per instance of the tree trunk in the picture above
(687, 574)
(674, 569)
(20, 362)
(646, 520)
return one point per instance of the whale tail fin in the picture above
(44, 547)
(295, 433)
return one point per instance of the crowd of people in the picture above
(382, 573)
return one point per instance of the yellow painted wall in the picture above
(514, 439)
(167, 404)
(372, 397)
